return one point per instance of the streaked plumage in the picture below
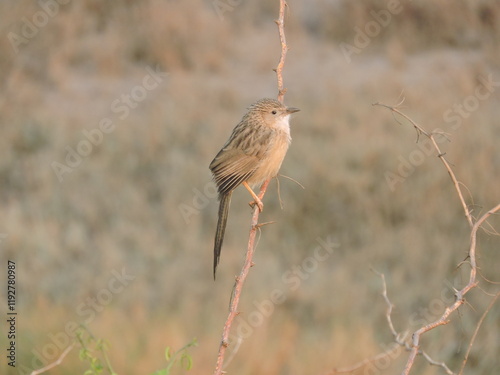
(253, 153)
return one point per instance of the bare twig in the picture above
(459, 295)
(279, 191)
(364, 362)
(292, 179)
(278, 186)
(466, 357)
(475, 225)
(234, 351)
(284, 49)
(240, 280)
(441, 156)
(57, 362)
(400, 340)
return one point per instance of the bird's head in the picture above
(274, 113)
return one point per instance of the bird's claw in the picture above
(258, 203)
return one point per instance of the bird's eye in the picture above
(273, 112)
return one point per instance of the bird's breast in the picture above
(271, 163)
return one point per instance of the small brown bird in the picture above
(253, 153)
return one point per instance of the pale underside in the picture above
(253, 158)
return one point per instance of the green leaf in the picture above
(81, 354)
(167, 353)
(186, 361)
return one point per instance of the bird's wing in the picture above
(238, 160)
(231, 168)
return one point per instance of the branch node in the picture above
(263, 224)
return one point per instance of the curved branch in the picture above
(459, 295)
(441, 156)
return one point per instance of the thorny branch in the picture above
(414, 345)
(240, 280)
(459, 295)
(441, 156)
(400, 339)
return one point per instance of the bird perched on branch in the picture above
(252, 154)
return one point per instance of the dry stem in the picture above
(460, 294)
(57, 362)
(240, 280)
(441, 156)
(284, 48)
(476, 331)
(400, 340)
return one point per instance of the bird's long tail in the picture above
(225, 201)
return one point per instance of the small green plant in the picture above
(182, 355)
(94, 351)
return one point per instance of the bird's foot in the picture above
(257, 202)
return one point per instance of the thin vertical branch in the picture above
(238, 285)
(240, 280)
(284, 49)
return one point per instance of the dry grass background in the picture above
(120, 207)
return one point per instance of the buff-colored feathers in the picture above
(253, 153)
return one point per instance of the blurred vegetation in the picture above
(120, 209)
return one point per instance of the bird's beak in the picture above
(292, 110)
